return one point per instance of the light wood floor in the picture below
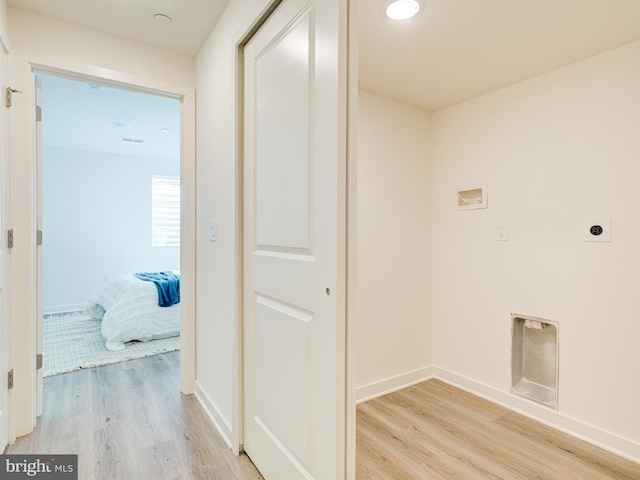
(435, 431)
(129, 421)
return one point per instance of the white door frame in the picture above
(237, 403)
(5, 331)
(24, 208)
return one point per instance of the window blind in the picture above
(165, 211)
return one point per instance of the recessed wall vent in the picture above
(131, 140)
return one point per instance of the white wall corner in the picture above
(392, 384)
(606, 440)
(222, 424)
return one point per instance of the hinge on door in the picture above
(38, 113)
(10, 238)
(8, 96)
(38, 238)
(38, 361)
(10, 379)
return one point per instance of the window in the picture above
(165, 211)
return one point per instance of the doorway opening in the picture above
(108, 165)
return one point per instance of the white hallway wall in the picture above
(97, 222)
(551, 150)
(216, 152)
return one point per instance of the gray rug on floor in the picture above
(73, 341)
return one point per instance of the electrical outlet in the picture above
(596, 229)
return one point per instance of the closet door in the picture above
(294, 242)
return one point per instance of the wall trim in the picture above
(608, 441)
(392, 384)
(214, 414)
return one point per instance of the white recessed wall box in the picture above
(534, 359)
(472, 198)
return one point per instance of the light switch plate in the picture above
(596, 229)
(502, 231)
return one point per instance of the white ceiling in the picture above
(193, 20)
(452, 51)
(81, 116)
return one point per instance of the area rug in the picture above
(73, 341)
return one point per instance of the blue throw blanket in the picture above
(167, 284)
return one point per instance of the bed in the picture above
(129, 310)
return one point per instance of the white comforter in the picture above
(128, 308)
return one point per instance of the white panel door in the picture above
(4, 318)
(294, 243)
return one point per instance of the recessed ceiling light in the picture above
(163, 19)
(164, 130)
(402, 9)
(122, 124)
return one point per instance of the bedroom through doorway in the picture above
(109, 184)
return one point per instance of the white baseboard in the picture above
(391, 384)
(608, 441)
(218, 420)
(63, 308)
